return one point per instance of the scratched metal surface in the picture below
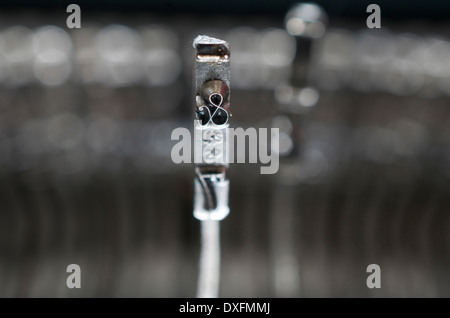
(86, 175)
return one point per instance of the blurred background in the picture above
(86, 175)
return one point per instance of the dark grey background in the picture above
(86, 175)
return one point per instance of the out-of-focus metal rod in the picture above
(305, 22)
